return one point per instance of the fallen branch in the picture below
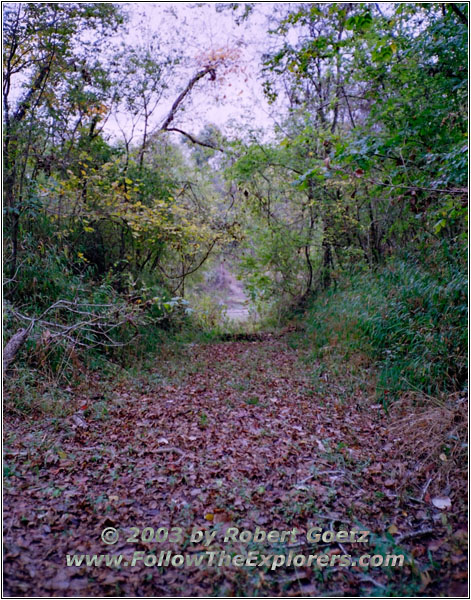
(89, 332)
(373, 581)
(413, 534)
(14, 344)
(429, 481)
(317, 474)
(171, 449)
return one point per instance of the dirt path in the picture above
(233, 295)
(235, 435)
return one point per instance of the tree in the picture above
(47, 48)
(370, 153)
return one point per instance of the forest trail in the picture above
(232, 293)
(229, 434)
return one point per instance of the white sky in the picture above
(195, 28)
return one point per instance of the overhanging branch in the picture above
(171, 115)
(195, 140)
(461, 16)
(184, 94)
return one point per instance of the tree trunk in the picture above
(326, 264)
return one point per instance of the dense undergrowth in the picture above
(358, 211)
(407, 319)
(396, 338)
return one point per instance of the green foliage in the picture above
(374, 149)
(420, 335)
(208, 313)
(409, 319)
(100, 236)
(367, 160)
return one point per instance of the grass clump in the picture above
(408, 321)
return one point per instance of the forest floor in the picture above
(235, 434)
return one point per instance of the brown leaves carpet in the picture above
(235, 434)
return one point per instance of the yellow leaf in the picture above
(392, 529)
(426, 580)
(209, 517)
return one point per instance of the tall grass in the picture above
(409, 320)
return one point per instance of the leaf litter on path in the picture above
(240, 438)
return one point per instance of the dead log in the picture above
(13, 345)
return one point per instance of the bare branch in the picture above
(192, 270)
(461, 16)
(182, 96)
(195, 140)
(93, 330)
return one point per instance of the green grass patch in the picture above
(407, 321)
